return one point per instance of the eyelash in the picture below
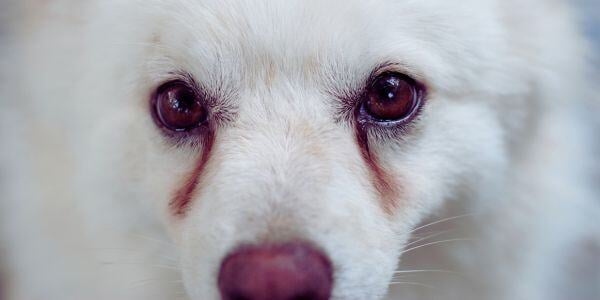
(400, 133)
(216, 101)
(352, 105)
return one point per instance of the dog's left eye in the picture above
(178, 107)
(392, 97)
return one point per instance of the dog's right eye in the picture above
(178, 107)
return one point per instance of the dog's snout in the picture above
(291, 271)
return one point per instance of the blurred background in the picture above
(590, 15)
(589, 11)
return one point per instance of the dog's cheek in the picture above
(460, 149)
(110, 169)
(129, 167)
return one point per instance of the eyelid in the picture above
(394, 67)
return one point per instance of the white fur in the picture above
(501, 144)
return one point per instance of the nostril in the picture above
(305, 296)
(238, 297)
(291, 271)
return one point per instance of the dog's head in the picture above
(300, 141)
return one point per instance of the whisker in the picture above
(442, 221)
(141, 264)
(428, 237)
(433, 243)
(412, 283)
(424, 271)
(141, 283)
(418, 235)
(161, 256)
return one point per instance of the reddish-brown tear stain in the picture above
(183, 196)
(386, 186)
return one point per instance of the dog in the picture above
(384, 149)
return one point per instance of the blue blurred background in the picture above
(590, 10)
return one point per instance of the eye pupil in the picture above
(178, 107)
(181, 100)
(392, 97)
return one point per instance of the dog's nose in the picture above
(291, 271)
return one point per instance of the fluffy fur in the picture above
(498, 158)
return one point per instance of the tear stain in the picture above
(385, 185)
(270, 74)
(183, 196)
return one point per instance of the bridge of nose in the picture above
(285, 153)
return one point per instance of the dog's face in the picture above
(261, 129)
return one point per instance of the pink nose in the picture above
(292, 271)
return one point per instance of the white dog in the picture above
(299, 149)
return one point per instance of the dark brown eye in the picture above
(178, 107)
(392, 97)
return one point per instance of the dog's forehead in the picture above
(341, 41)
(274, 25)
(251, 36)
